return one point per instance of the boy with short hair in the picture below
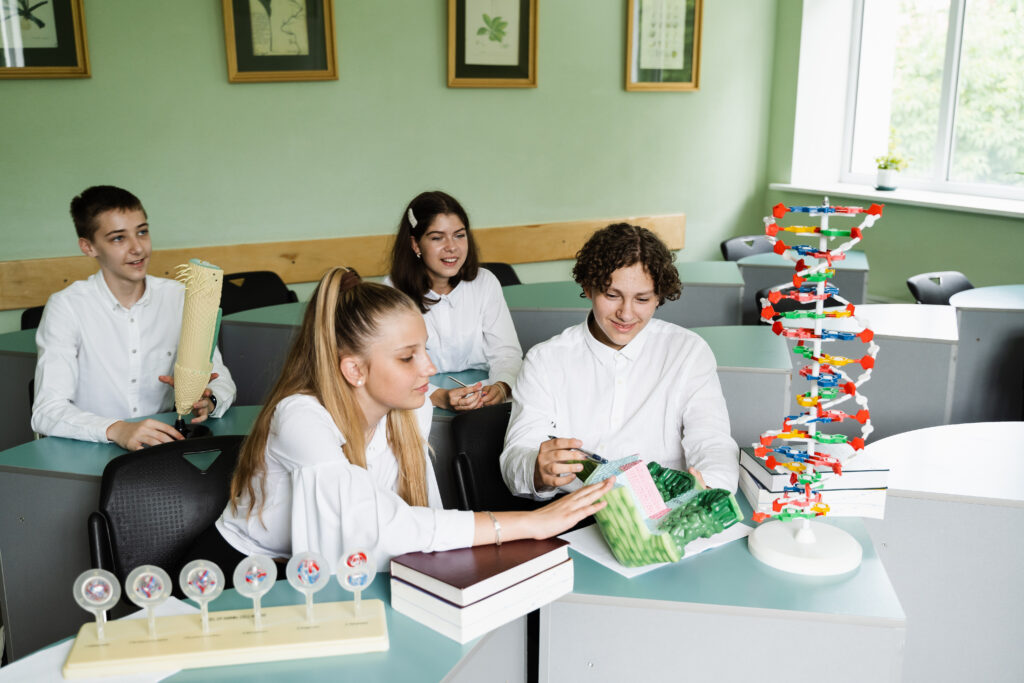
(621, 382)
(107, 344)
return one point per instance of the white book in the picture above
(463, 624)
(842, 503)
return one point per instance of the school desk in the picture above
(753, 364)
(721, 615)
(950, 542)
(17, 368)
(989, 381)
(754, 370)
(48, 488)
(911, 385)
(712, 293)
(768, 270)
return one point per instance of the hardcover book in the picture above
(467, 575)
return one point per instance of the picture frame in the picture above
(663, 45)
(271, 41)
(43, 39)
(496, 47)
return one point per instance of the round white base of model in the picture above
(801, 546)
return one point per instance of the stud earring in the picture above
(419, 255)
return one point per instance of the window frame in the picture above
(948, 103)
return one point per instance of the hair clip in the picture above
(412, 218)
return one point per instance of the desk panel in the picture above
(722, 615)
(948, 541)
(754, 371)
(911, 386)
(17, 368)
(990, 370)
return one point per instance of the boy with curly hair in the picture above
(620, 383)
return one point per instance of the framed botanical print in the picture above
(663, 45)
(43, 39)
(280, 40)
(492, 43)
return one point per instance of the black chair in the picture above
(737, 247)
(786, 305)
(479, 437)
(254, 289)
(505, 273)
(154, 503)
(936, 288)
(30, 317)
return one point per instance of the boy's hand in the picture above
(201, 408)
(132, 436)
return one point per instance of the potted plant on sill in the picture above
(889, 167)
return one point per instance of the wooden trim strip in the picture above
(30, 282)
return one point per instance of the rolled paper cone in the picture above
(203, 282)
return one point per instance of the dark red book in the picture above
(467, 575)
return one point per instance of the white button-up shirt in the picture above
(315, 499)
(658, 397)
(98, 362)
(470, 328)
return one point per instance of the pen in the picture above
(461, 384)
(590, 456)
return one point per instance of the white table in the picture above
(990, 369)
(950, 543)
(912, 384)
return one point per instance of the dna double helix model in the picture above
(812, 313)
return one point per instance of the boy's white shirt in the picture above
(98, 362)
(659, 397)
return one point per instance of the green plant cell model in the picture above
(654, 511)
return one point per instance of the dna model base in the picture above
(800, 546)
(284, 633)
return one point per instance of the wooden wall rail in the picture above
(30, 282)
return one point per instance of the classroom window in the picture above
(941, 80)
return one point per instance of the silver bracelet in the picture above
(497, 528)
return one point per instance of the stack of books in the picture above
(858, 492)
(465, 593)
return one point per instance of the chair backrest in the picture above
(936, 288)
(479, 437)
(254, 289)
(735, 248)
(154, 503)
(30, 317)
(505, 273)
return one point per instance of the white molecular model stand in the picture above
(230, 637)
(792, 542)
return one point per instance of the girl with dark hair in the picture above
(337, 457)
(434, 261)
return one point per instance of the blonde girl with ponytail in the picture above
(338, 455)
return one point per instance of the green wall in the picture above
(909, 239)
(220, 163)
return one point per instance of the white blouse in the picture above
(316, 500)
(470, 328)
(658, 397)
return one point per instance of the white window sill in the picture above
(934, 200)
